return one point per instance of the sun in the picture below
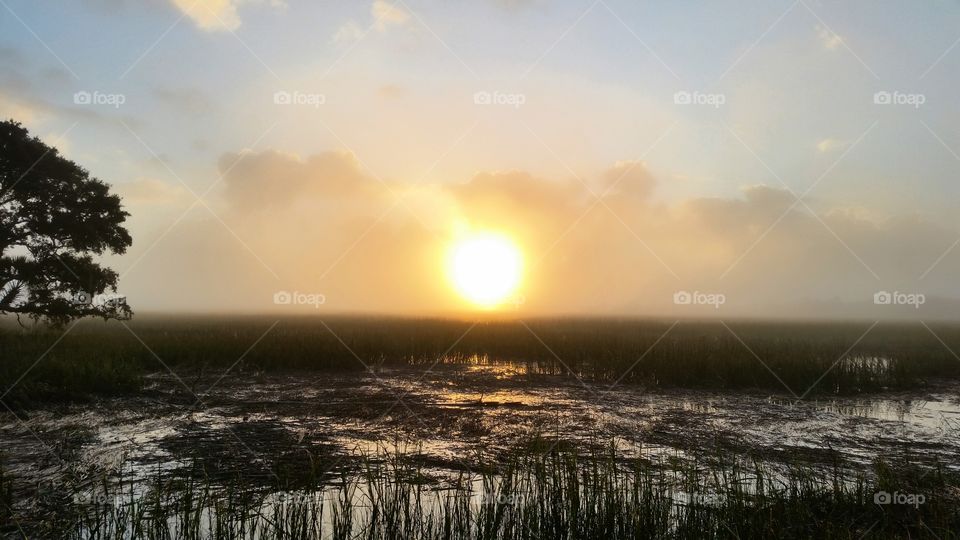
(485, 268)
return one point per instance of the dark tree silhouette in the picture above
(53, 217)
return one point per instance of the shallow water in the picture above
(451, 418)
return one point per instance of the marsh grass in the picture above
(554, 495)
(103, 358)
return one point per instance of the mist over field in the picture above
(489, 270)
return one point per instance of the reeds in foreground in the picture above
(557, 495)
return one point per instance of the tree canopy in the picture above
(54, 217)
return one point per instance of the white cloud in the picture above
(829, 40)
(214, 15)
(347, 33)
(831, 145)
(385, 14)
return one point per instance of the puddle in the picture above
(451, 418)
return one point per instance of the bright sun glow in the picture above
(485, 268)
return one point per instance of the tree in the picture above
(53, 218)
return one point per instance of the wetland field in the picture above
(259, 427)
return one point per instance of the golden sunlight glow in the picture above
(485, 268)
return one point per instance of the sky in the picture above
(769, 159)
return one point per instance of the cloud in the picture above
(217, 15)
(349, 32)
(152, 192)
(391, 91)
(321, 223)
(277, 180)
(828, 39)
(384, 14)
(831, 145)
